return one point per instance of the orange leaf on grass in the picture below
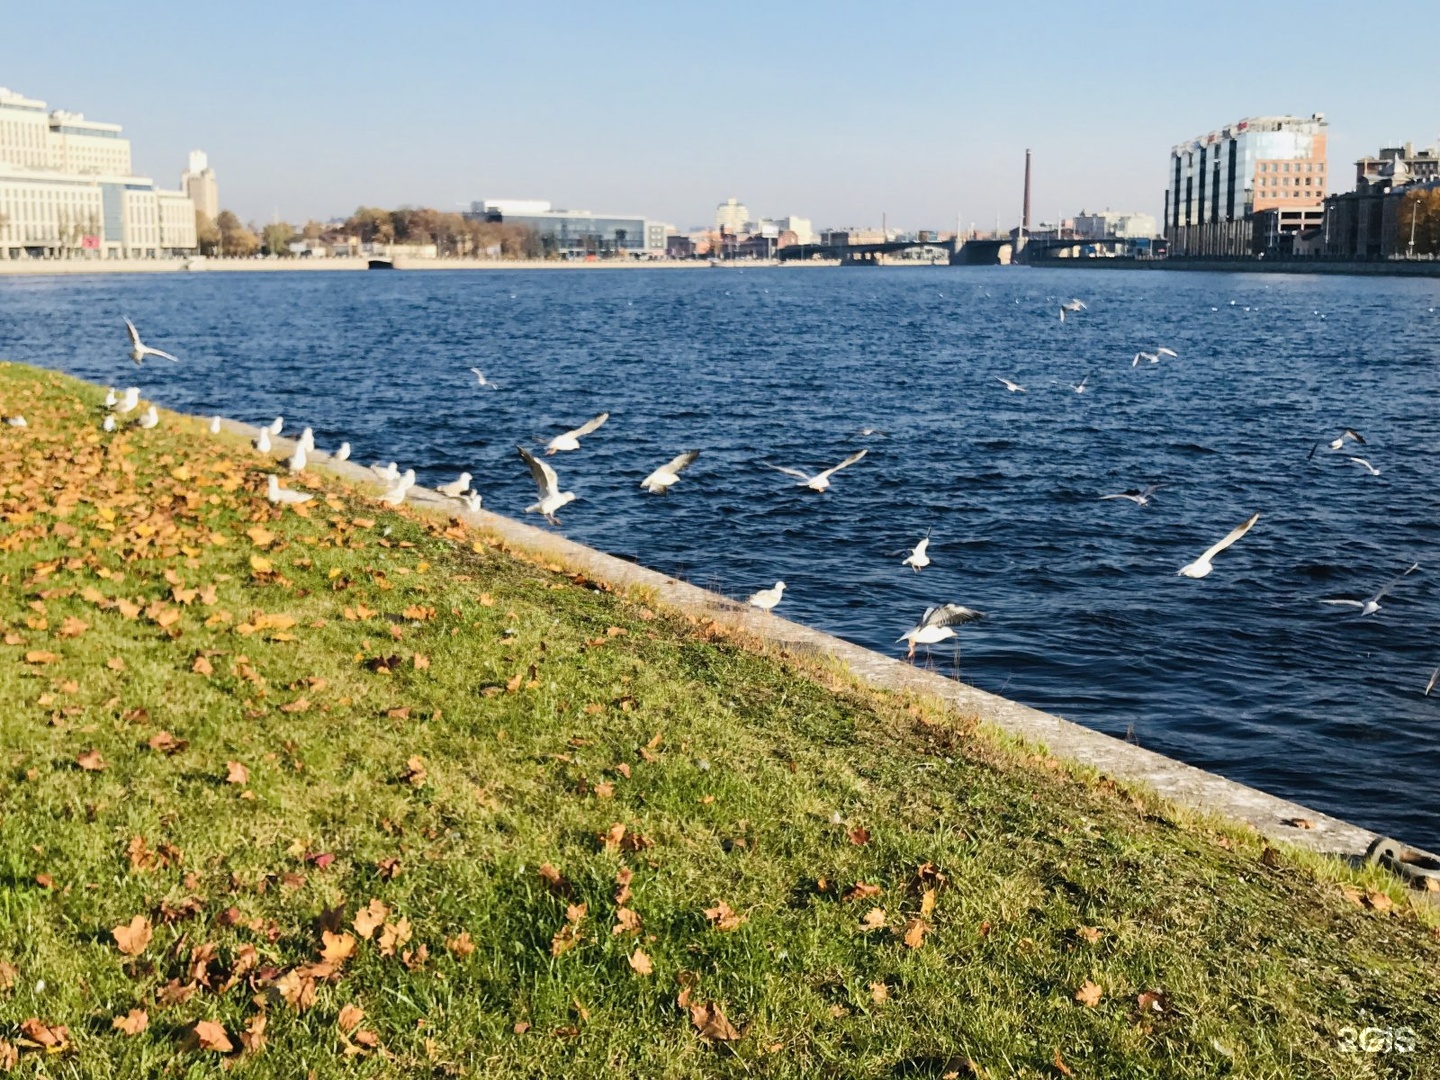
(370, 918)
(40, 656)
(236, 773)
(724, 917)
(131, 938)
(211, 1036)
(1089, 994)
(640, 963)
(133, 1023)
(91, 761)
(350, 1017)
(461, 944)
(712, 1023)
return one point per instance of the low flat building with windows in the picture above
(1125, 225)
(1219, 181)
(577, 232)
(67, 191)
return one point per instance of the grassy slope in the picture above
(746, 778)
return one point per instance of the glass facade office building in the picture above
(579, 232)
(1255, 164)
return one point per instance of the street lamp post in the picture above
(1414, 213)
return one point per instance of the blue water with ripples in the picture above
(1245, 672)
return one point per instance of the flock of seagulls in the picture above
(937, 623)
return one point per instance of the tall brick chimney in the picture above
(1025, 215)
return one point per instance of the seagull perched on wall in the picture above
(307, 440)
(1013, 387)
(396, 495)
(548, 484)
(128, 400)
(471, 501)
(389, 473)
(766, 599)
(342, 454)
(455, 488)
(821, 480)
(937, 624)
(139, 350)
(1201, 566)
(276, 494)
(276, 426)
(570, 440)
(1371, 604)
(660, 481)
(1139, 496)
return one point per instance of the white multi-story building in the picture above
(1124, 224)
(198, 182)
(731, 216)
(67, 190)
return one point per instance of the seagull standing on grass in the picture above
(110, 398)
(660, 481)
(766, 599)
(215, 425)
(455, 488)
(109, 422)
(1201, 566)
(396, 495)
(1371, 604)
(128, 400)
(297, 459)
(262, 442)
(918, 559)
(139, 350)
(16, 421)
(276, 494)
(937, 624)
(821, 480)
(551, 497)
(570, 440)
(1013, 387)
(149, 418)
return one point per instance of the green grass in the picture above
(551, 710)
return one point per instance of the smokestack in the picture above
(1025, 215)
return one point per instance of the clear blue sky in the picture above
(836, 111)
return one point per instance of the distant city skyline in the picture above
(837, 113)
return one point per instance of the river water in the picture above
(1245, 672)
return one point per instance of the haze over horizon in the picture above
(835, 112)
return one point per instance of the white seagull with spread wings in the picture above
(937, 624)
(659, 482)
(570, 440)
(551, 497)
(821, 480)
(1371, 604)
(1201, 566)
(139, 350)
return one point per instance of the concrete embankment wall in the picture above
(212, 266)
(1184, 785)
(1252, 266)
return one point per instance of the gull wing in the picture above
(1230, 538)
(848, 461)
(587, 427)
(921, 546)
(1345, 603)
(1354, 435)
(681, 461)
(544, 475)
(1395, 581)
(157, 352)
(134, 334)
(788, 472)
(1434, 678)
(1368, 467)
(1162, 351)
(949, 615)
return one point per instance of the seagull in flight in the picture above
(455, 488)
(766, 599)
(128, 400)
(1079, 387)
(1371, 604)
(551, 497)
(1366, 466)
(480, 378)
(276, 494)
(1201, 566)
(1434, 678)
(821, 480)
(1073, 305)
(1013, 387)
(570, 440)
(139, 350)
(937, 624)
(1139, 496)
(1348, 433)
(660, 481)
(918, 559)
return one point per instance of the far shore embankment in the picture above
(1399, 268)
(36, 267)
